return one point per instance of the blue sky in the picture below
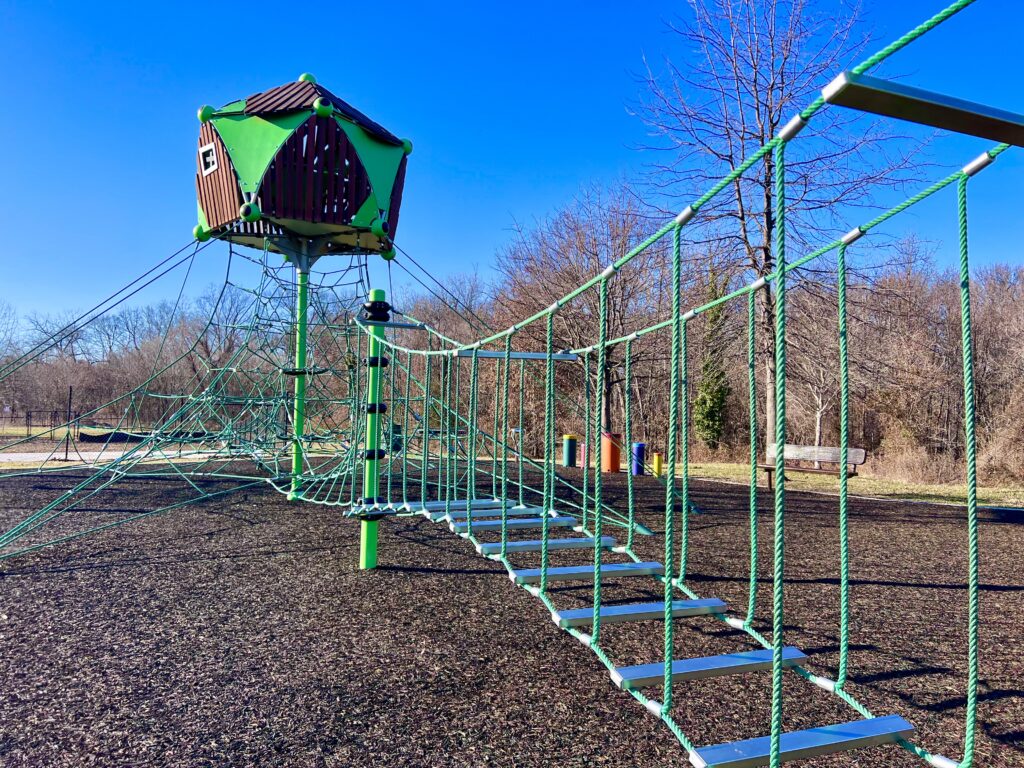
(512, 109)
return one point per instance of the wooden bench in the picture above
(819, 455)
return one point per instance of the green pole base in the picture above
(293, 496)
(368, 545)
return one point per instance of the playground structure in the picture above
(335, 398)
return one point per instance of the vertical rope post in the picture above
(425, 463)
(970, 449)
(507, 359)
(684, 440)
(778, 642)
(474, 403)
(670, 469)
(628, 439)
(494, 432)
(522, 436)
(752, 392)
(844, 445)
(549, 452)
(602, 377)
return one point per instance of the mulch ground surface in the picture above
(240, 632)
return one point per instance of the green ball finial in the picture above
(200, 233)
(249, 212)
(305, 77)
(407, 146)
(323, 107)
(379, 227)
(205, 113)
(388, 255)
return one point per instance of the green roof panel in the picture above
(380, 159)
(252, 142)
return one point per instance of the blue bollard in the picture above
(639, 454)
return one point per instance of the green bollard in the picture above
(568, 450)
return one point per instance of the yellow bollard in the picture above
(656, 464)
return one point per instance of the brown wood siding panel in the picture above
(217, 192)
(332, 173)
(309, 169)
(308, 179)
(396, 197)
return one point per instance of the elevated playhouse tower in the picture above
(298, 163)
(296, 170)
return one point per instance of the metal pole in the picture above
(371, 467)
(67, 435)
(299, 410)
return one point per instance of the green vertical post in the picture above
(299, 408)
(368, 545)
(371, 466)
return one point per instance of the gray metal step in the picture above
(643, 675)
(533, 545)
(525, 522)
(440, 505)
(798, 745)
(461, 514)
(614, 614)
(586, 572)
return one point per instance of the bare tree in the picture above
(755, 64)
(572, 246)
(8, 330)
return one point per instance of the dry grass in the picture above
(871, 486)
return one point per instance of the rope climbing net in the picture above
(215, 412)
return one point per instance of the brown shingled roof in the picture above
(301, 95)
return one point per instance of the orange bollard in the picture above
(611, 454)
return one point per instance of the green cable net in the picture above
(229, 425)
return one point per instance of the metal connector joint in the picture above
(852, 236)
(981, 161)
(792, 128)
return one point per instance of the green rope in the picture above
(670, 467)
(588, 445)
(454, 447)
(549, 458)
(425, 465)
(752, 391)
(474, 390)
(405, 428)
(844, 444)
(494, 446)
(602, 375)
(684, 420)
(970, 445)
(507, 359)
(778, 619)
(522, 436)
(628, 439)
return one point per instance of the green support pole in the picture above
(299, 410)
(368, 545)
(371, 466)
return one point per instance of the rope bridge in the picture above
(330, 396)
